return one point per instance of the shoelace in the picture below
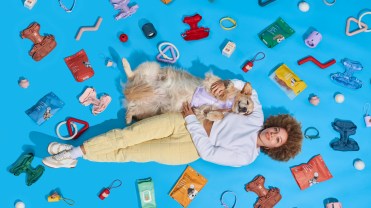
(65, 147)
(61, 156)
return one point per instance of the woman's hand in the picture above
(218, 88)
(187, 110)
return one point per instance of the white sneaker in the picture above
(61, 160)
(55, 148)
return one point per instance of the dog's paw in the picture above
(214, 116)
(129, 118)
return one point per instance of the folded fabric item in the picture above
(311, 173)
(45, 108)
(188, 186)
(276, 33)
(345, 143)
(79, 66)
(104, 101)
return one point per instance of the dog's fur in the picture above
(152, 90)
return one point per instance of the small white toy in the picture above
(24, 83)
(303, 6)
(29, 3)
(359, 164)
(339, 98)
(20, 205)
(229, 49)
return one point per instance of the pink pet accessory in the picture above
(313, 39)
(89, 96)
(195, 32)
(165, 58)
(334, 205)
(125, 10)
(23, 82)
(249, 64)
(315, 61)
(104, 101)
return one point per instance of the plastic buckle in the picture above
(69, 127)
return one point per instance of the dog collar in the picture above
(311, 136)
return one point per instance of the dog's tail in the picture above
(127, 68)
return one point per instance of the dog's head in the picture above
(243, 104)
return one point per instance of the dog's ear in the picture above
(247, 89)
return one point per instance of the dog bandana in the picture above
(202, 97)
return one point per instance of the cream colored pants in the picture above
(163, 138)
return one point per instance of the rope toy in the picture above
(311, 136)
(249, 64)
(222, 197)
(165, 58)
(230, 20)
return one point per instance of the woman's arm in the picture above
(207, 150)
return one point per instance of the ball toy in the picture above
(303, 6)
(339, 98)
(314, 100)
(24, 83)
(123, 38)
(20, 205)
(359, 164)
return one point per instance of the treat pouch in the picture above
(313, 172)
(79, 66)
(288, 81)
(275, 33)
(45, 108)
(188, 186)
(146, 193)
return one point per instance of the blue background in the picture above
(83, 183)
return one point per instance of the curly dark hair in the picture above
(292, 146)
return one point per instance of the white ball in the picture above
(359, 164)
(20, 205)
(303, 6)
(339, 98)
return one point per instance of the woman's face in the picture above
(273, 137)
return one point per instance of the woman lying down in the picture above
(179, 138)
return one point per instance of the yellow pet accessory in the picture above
(288, 81)
(230, 20)
(55, 197)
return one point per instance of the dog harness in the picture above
(202, 97)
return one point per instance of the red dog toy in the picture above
(195, 32)
(315, 61)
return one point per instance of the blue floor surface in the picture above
(83, 183)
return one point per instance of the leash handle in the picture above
(65, 8)
(112, 186)
(222, 197)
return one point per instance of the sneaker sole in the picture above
(54, 166)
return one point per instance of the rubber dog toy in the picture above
(249, 64)
(123, 37)
(43, 45)
(166, 1)
(86, 29)
(106, 191)
(264, 3)
(195, 32)
(20, 204)
(75, 133)
(163, 57)
(23, 82)
(234, 23)
(125, 10)
(346, 78)
(362, 27)
(315, 61)
(266, 197)
(149, 30)
(23, 165)
(313, 39)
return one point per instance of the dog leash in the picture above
(222, 197)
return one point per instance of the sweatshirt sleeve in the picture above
(207, 150)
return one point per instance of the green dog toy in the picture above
(23, 165)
